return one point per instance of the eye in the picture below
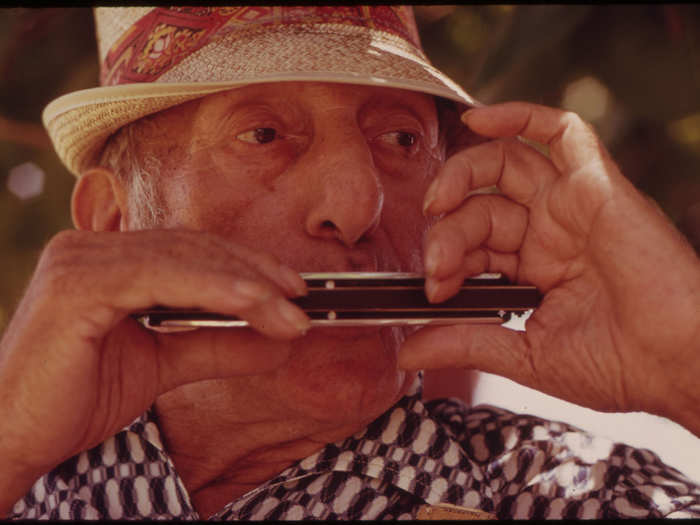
(405, 139)
(258, 135)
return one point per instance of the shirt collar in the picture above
(403, 447)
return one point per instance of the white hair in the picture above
(144, 200)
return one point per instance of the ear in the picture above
(98, 202)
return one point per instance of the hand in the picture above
(619, 326)
(75, 367)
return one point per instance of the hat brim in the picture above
(80, 123)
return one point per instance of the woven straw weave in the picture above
(232, 55)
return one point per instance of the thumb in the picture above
(489, 348)
(214, 353)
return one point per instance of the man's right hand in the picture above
(75, 367)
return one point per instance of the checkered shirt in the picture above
(510, 465)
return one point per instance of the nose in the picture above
(346, 191)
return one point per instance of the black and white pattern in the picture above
(486, 458)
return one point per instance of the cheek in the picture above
(245, 163)
(204, 203)
(218, 192)
(403, 220)
(252, 217)
(262, 219)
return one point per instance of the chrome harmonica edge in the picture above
(374, 299)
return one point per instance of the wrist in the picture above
(683, 408)
(15, 483)
(681, 402)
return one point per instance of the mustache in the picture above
(366, 259)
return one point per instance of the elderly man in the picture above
(230, 149)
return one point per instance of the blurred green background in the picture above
(632, 71)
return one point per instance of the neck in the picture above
(228, 472)
(228, 436)
(220, 460)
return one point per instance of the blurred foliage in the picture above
(645, 57)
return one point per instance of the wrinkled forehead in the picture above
(308, 93)
(294, 95)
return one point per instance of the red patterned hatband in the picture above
(165, 36)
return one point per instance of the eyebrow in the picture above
(425, 107)
(421, 106)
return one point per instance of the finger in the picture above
(219, 354)
(271, 267)
(489, 348)
(516, 169)
(203, 248)
(138, 272)
(479, 261)
(572, 142)
(490, 221)
(227, 285)
(490, 261)
(461, 174)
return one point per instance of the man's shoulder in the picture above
(487, 432)
(568, 472)
(464, 421)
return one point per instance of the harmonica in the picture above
(374, 298)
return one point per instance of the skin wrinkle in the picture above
(185, 406)
(526, 125)
(209, 149)
(535, 368)
(572, 122)
(624, 399)
(532, 194)
(314, 388)
(190, 177)
(362, 401)
(242, 480)
(592, 357)
(502, 164)
(149, 204)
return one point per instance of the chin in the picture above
(344, 375)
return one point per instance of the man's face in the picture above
(326, 177)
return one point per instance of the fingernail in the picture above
(430, 196)
(293, 315)
(293, 280)
(430, 289)
(432, 258)
(465, 116)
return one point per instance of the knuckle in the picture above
(60, 250)
(583, 130)
(501, 153)
(486, 205)
(63, 240)
(57, 263)
(573, 119)
(515, 216)
(453, 238)
(463, 160)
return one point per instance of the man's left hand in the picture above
(618, 328)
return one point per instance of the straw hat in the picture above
(155, 58)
